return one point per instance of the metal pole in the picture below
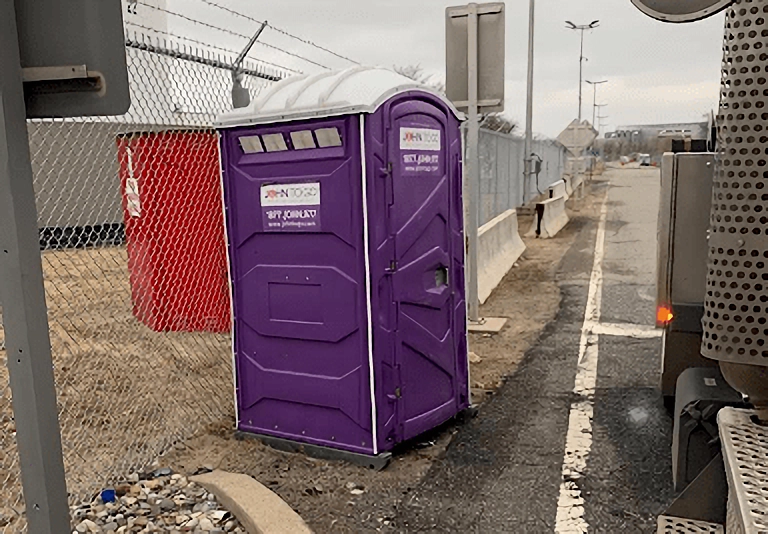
(581, 70)
(473, 167)
(528, 164)
(594, 103)
(241, 97)
(25, 317)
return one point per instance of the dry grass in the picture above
(126, 393)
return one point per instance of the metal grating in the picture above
(735, 326)
(676, 525)
(744, 446)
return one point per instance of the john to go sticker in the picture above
(306, 194)
(420, 139)
(291, 207)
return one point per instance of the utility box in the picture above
(343, 199)
(174, 230)
(686, 197)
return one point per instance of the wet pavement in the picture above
(504, 469)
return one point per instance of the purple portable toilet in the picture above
(344, 219)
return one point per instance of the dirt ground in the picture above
(320, 491)
(126, 393)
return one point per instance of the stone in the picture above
(474, 358)
(172, 504)
(122, 488)
(162, 472)
(217, 515)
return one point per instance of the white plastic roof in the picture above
(330, 93)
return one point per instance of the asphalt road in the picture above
(504, 471)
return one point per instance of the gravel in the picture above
(157, 502)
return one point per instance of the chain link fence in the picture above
(135, 272)
(502, 171)
(134, 263)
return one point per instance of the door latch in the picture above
(441, 277)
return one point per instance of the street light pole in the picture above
(582, 28)
(528, 164)
(601, 125)
(594, 97)
(599, 110)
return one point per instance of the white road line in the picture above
(638, 331)
(578, 442)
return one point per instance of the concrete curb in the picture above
(499, 247)
(550, 218)
(259, 510)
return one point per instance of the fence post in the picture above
(25, 317)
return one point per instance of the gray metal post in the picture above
(24, 311)
(472, 166)
(528, 167)
(241, 97)
(581, 70)
(594, 98)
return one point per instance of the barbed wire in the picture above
(231, 32)
(209, 45)
(279, 30)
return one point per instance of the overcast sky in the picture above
(657, 72)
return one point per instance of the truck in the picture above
(711, 301)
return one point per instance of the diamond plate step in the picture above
(745, 454)
(676, 525)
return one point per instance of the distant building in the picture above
(650, 132)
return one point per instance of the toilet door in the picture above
(422, 278)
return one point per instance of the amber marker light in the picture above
(664, 315)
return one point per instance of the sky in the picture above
(656, 72)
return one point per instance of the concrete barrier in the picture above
(550, 218)
(568, 179)
(578, 179)
(499, 247)
(559, 189)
